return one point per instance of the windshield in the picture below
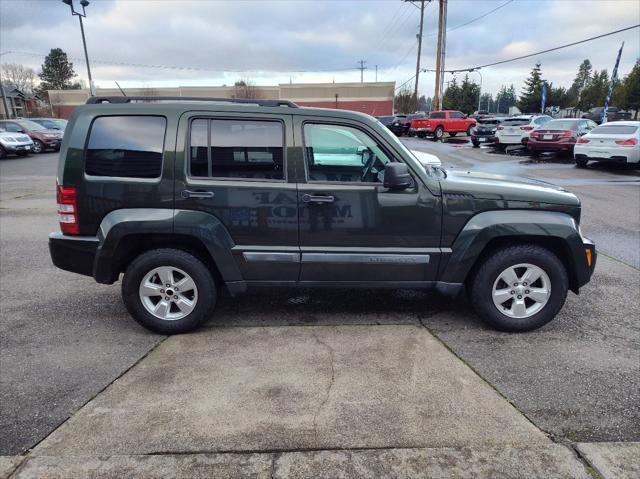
(561, 125)
(489, 121)
(30, 125)
(615, 129)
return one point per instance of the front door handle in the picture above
(307, 198)
(197, 194)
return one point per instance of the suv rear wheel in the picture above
(519, 288)
(580, 163)
(439, 133)
(169, 291)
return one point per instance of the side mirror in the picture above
(396, 176)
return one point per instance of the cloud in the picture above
(215, 42)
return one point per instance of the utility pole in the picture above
(440, 54)
(376, 73)
(419, 35)
(362, 68)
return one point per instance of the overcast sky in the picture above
(218, 42)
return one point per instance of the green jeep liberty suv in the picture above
(186, 196)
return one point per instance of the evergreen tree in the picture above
(632, 89)
(595, 92)
(451, 97)
(529, 101)
(486, 102)
(469, 95)
(580, 82)
(505, 99)
(57, 72)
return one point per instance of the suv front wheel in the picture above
(169, 291)
(519, 288)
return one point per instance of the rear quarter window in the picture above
(126, 146)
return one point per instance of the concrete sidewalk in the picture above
(301, 401)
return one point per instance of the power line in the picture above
(480, 17)
(544, 51)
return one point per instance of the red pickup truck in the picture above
(440, 122)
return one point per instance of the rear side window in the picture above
(438, 114)
(126, 146)
(236, 148)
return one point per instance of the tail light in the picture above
(527, 127)
(68, 210)
(500, 128)
(567, 134)
(582, 140)
(627, 142)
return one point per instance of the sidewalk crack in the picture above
(329, 387)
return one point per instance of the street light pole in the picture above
(84, 4)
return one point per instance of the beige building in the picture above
(373, 98)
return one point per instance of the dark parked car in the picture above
(186, 198)
(485, 130)
(402, 123)
(559, 135)
(51, 123)
(43, 138)
(386, 120)
(613, 114)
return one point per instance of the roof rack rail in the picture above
(128, 99)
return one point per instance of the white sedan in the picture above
(618, 141)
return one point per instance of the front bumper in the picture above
(483, 137)
(73, 253)
(14, 147)
(590, 257)
(52, 142)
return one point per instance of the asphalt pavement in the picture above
(64, 339)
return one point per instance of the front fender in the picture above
(118, 224)
(490, 225)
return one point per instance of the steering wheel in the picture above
(367, 166)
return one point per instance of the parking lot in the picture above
(300, 383)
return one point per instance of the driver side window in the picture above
(337, 153)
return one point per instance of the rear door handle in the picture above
(307, 198)
(197, 194)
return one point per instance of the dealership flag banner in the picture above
(614, 77)
(544, 96)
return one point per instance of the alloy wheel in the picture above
(168, 293)
(521, 291)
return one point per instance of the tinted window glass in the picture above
(542, 120)
(456, 114)
(342, 154)
(199, 145)
(126, 146)
(437, 114)
(11, 127)
(237, 149)
(615, 129)
(564, 125)
(516, 122)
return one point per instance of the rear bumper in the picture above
(549, 145)
(73, 253)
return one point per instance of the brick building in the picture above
(373, 98)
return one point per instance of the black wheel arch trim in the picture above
(519, 225)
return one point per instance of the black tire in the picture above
(144, 264)
(421, 134)
(580, 163)
(439, 133)
(453, 133)
(486, 275)
(38, 146)
(476, 143)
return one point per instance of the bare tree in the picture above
(20, 77)
(405, 101)
(245, 89)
